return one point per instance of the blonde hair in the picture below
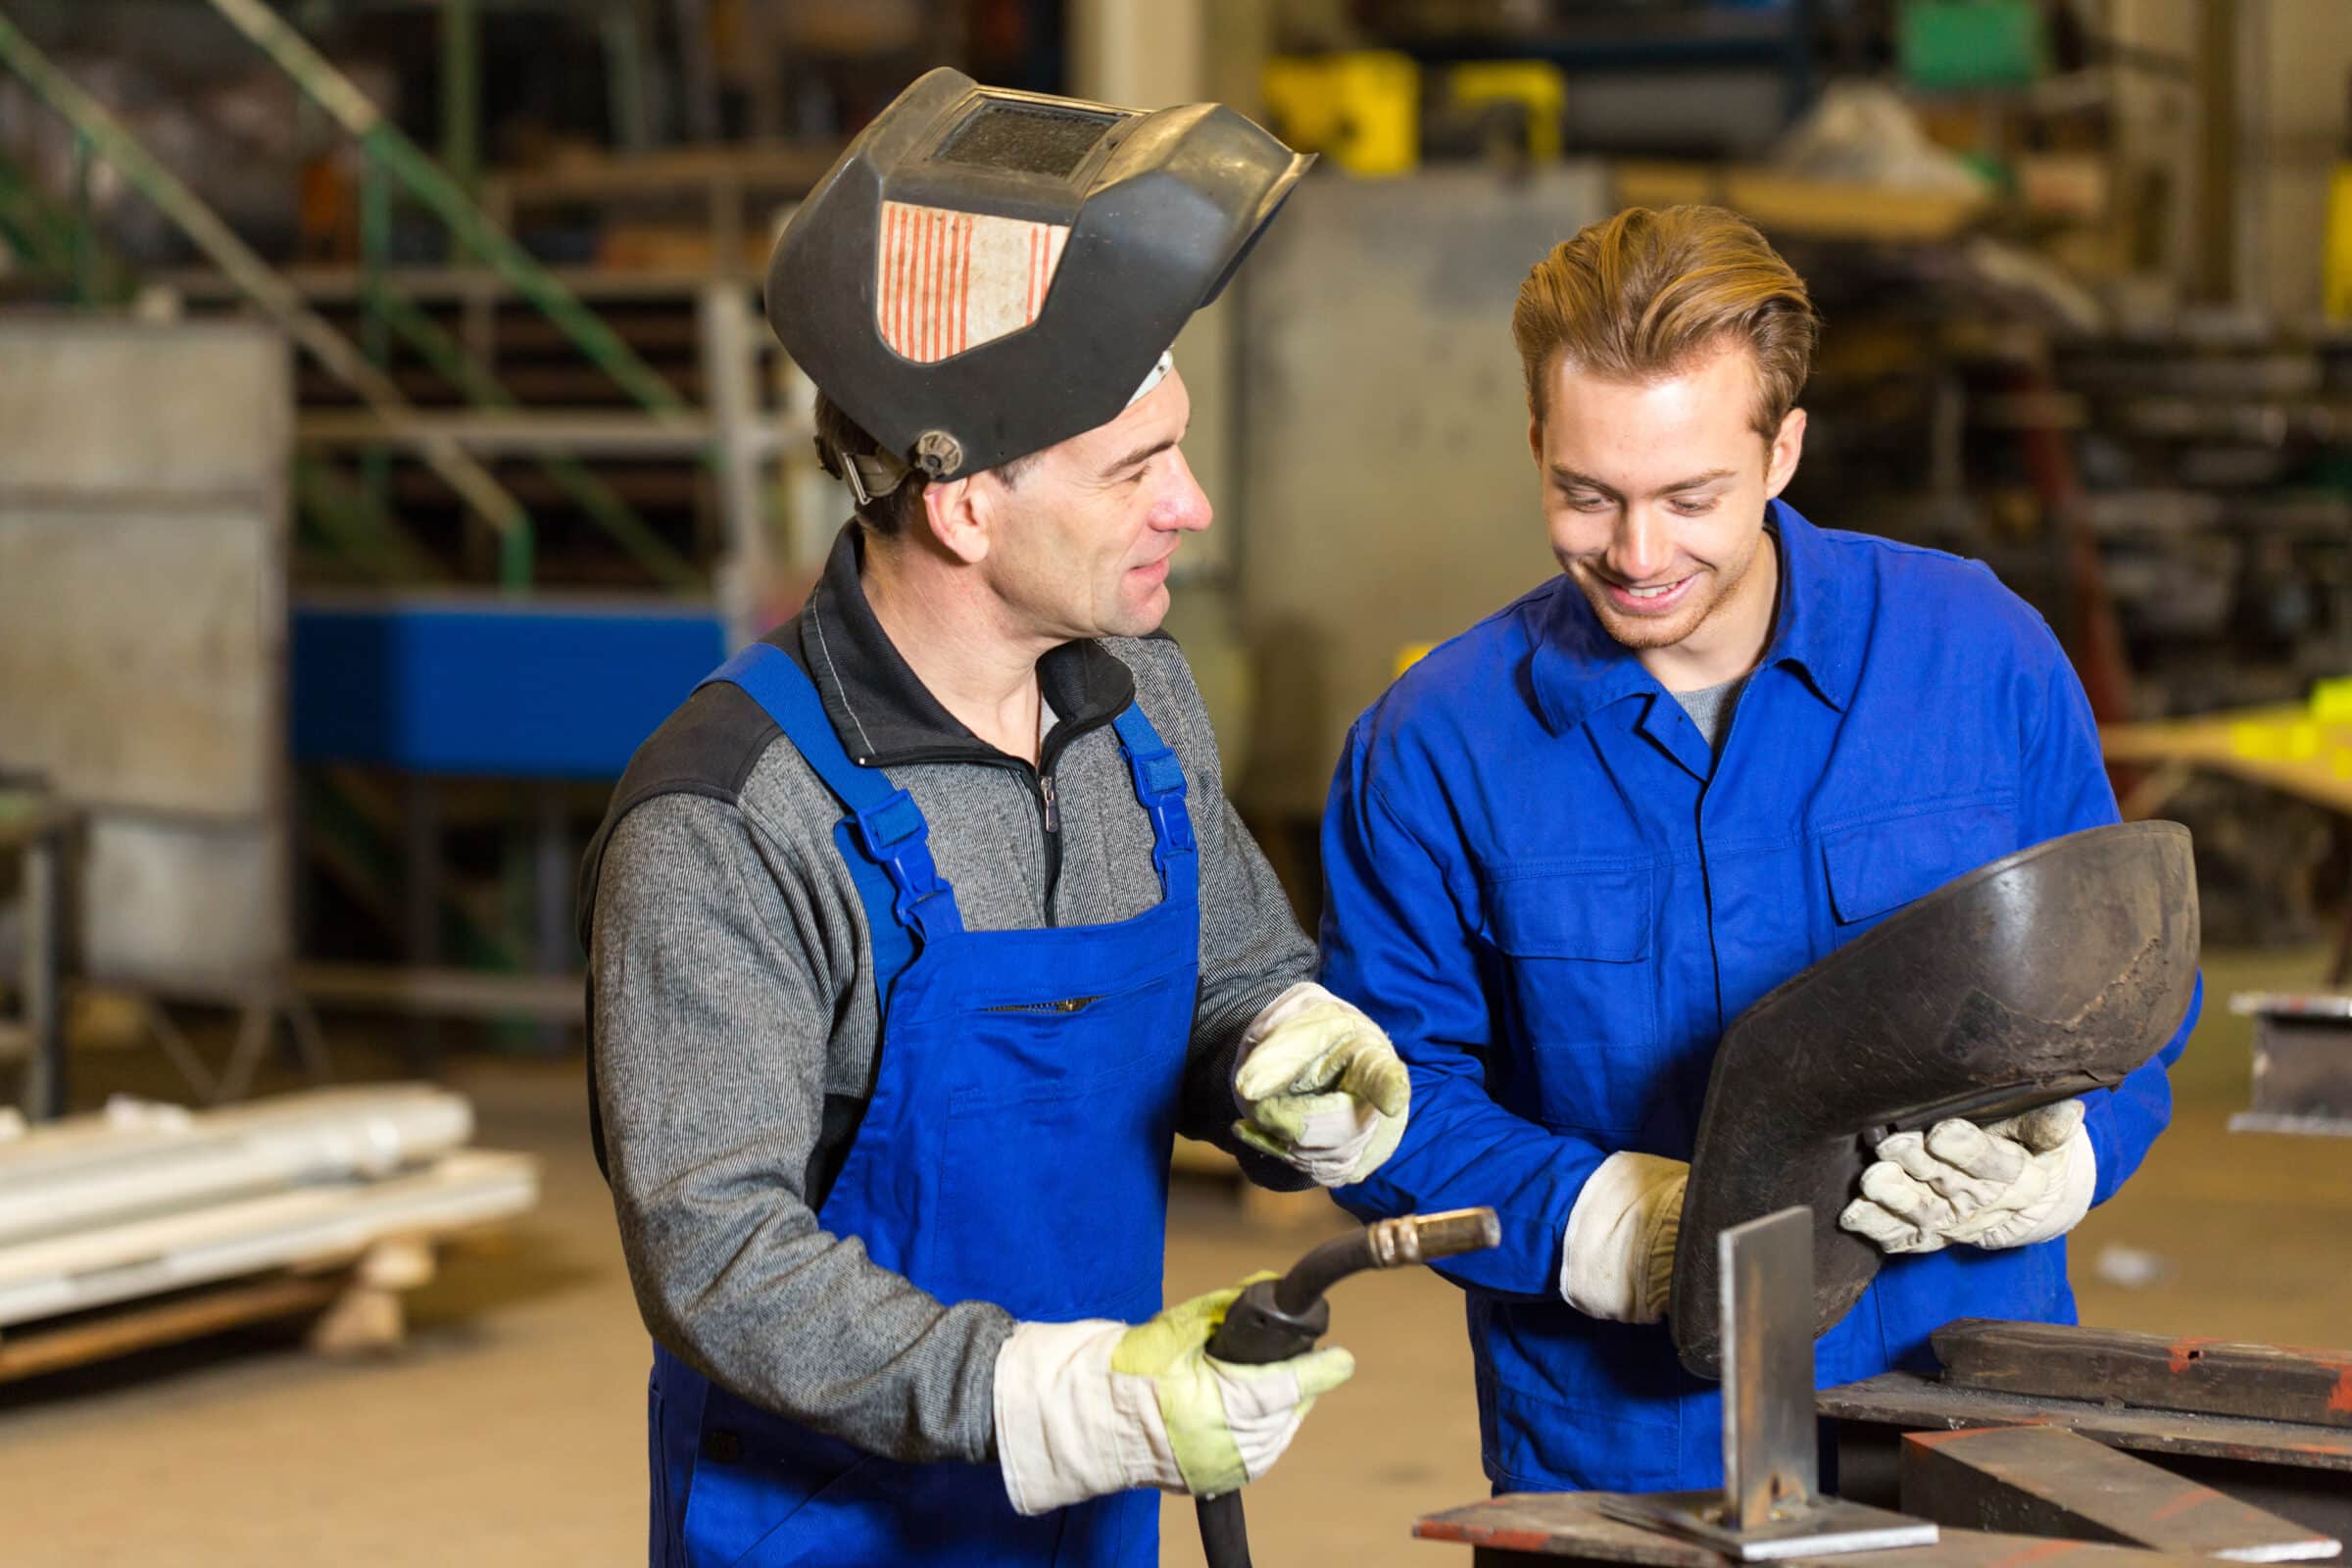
(1644, 294)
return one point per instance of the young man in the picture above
(919, 929)
(1571, 844)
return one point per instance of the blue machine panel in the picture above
(492, 687)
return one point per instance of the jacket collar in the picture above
(1578, 667)
(886, 715)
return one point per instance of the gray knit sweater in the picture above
(734, 1026)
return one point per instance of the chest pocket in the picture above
(1573, 951)
(1875, 869)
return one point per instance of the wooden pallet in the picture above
(352, 1308)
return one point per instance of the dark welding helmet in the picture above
(985, 274)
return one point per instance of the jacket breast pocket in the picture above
(1875, 869)
(1580, 986)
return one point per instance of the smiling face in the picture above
(1653, 496)
(1085, 533)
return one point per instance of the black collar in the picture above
(885, 715)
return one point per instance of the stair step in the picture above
(582, 432)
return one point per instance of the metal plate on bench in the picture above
(2147, 1371)
(1906, 1400)
(2047, 1481)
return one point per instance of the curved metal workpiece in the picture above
(2046, 974)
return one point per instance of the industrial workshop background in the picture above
(391, 435)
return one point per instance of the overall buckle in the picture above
(895, 837)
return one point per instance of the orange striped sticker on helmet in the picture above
(947, 280)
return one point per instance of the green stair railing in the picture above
(65, 245)
(598, 499)
(259, 281)
(468, 224)
(475, 235)
(360, 520)
(58, 240)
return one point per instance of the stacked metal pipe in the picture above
(147, 1198)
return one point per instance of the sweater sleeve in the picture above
(716, 965)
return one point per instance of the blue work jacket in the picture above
(1554, 896)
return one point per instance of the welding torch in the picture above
(1280, 1319)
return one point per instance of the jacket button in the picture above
(722, 1446)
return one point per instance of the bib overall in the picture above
(1014, 1150)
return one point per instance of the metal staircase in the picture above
(478, 446)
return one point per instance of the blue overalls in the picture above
(1015, 1151)
(1554, 896)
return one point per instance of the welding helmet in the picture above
(984, 273)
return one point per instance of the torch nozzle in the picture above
(1387, 1244)
(1423, 1238)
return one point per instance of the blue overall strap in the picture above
(884, 827)
(1158, 785)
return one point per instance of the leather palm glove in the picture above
(2010, 1183)
(1321, 1087)
(1085, 1409)
(1618, 1261)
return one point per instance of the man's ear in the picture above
(962, 513)
(1535, 439)
(1779, 464)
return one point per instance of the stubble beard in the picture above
(1641, 633)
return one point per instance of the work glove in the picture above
(1618, 1261)
(1321, 1087)
(1085, 1409)
(2009, 1183)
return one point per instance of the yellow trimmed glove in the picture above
(1321, 1087)
(1085, 1409)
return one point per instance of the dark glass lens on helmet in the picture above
(1027, 138)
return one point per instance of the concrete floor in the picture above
(509, 1430)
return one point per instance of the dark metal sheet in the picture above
(2047, 1481)
(2049, 972)
(2146, 1371)
(2296, 1471)
(1913, 1402)
(1568, 1524)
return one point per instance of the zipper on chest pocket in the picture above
(1067, 1004)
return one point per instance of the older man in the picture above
(918, 930)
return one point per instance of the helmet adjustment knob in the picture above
(939, 453)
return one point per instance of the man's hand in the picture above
(1321, 1087)
(2010, 1183)
(1085, 1409)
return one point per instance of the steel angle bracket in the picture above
(1771, 1504)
